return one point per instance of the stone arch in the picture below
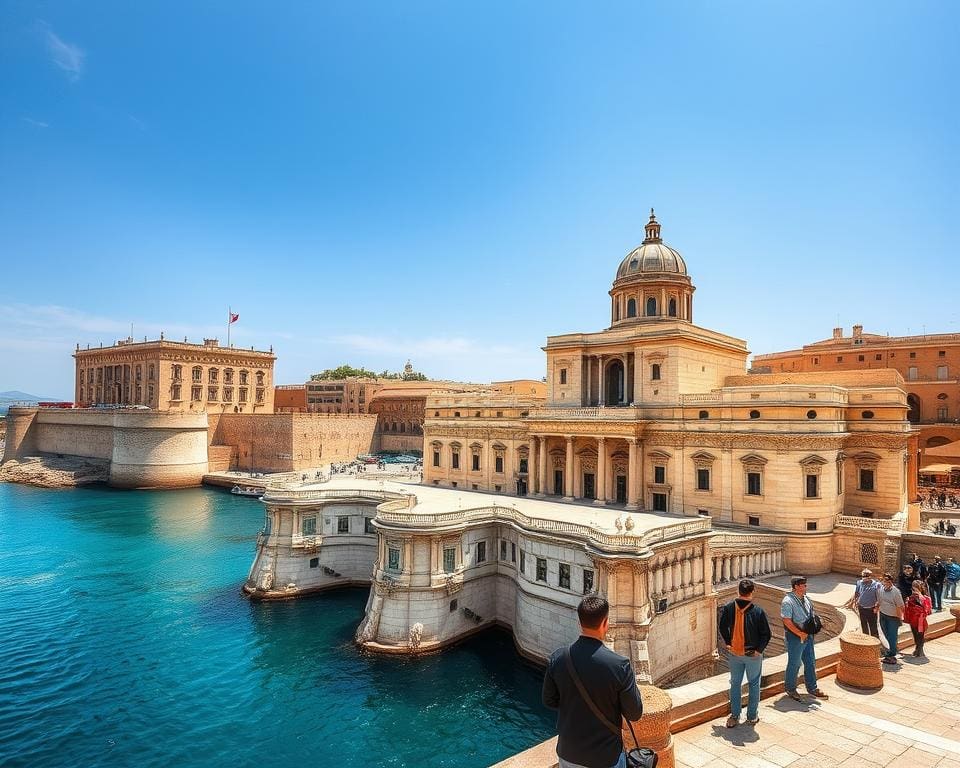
(631, 307)
(614, 382)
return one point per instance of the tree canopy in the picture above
(346, 371)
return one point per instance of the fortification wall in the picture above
(19, 433)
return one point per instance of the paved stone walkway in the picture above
(913, 721)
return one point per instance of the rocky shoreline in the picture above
(55, 471)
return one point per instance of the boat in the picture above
(239, 491)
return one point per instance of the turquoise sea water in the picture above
(125, 641)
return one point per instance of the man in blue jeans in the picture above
(891, 616)
(746, 633)
(795, 610)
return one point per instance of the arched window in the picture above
(651, 307)
(655, 372)
(213, 375)
(672, 308)
(259, 378)
(631, 308)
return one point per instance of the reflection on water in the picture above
(126, 642)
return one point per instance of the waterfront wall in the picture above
(146, 449)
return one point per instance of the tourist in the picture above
(865, 601)
(890, 605)
(589, 731)
(905, 581)
(915, 612)
(919, 568)
(935, 578)
(796, 610)
(953, 576)
(745, 631)
(951, 529)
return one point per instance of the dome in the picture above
(653, 256)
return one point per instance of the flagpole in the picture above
(229, 317)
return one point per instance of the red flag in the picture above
(234, 318)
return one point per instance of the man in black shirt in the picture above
(584, 740)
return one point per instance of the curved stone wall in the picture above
(19, 433)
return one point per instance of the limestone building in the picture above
(658, 414)
(179, 376)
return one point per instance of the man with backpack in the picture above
(800, 623)
(745, 631)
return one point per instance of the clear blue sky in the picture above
(453, 181)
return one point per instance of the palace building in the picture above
(171, 375)
(655, 413)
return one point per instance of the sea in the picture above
(125, 641)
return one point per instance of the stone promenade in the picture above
(913, 721)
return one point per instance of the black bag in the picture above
(638, 757)
(813, 624)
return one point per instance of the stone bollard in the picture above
(955, 612)
(859, 665)
(653, 728)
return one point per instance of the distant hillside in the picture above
(17, 396)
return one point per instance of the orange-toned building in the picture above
(290, 398)
(929, 365)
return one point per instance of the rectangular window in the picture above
(812, 486)
(368, 525)
(212, 393)
(541, 569)
(941, 373)
(503, 549)
(941, 353)
(564, 579)
(228, 394)
(475, 459)
(176, 393)
(753, 520)
(753, 483)
(513, 552)
(523, 465)
(259, 395)
(811, 525)
(343, 525)
(839, 358)
(309, 526)
(243, 395)
(942, 413)
(449, 559)
(523, 562)
(455, 460)
(913, 355)
(703, 479)
(393, 558)
(563, 375)
(436, 458)
(481, 551)
(314, 562)
(587, 581)
(878, 357)
(816, 361)
(660, 475)
(866, 480)
(859, 358)
(498, 465)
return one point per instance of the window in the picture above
(753, 520)
(753, 484)
(259, 395)
(475, 462)
(212, 393)
(243, 377)
(228, 376)
(563, 581)
(703, 479)
(309, 526)
(393, 558)
(655, 372)
(368, 525)
(870, 553)
(175, 396)
(198, 373)
(242, 394)
(912, 373)
(811, 525)
(913, 355)
(455, 458)
(866, 480)
(149, 394)
(867, 414)
(260, 376)
(659, 475)
(503, 549)
(651, 307)
(314, 562)
(541, 569)
(816, 361)
(631, 308)
(811, 414)
(941, 353)
(151, 372)
(523, 561)
(481, 551)
(453, 605)
(513, 552)
(941, 373)
(563, 375)
(449, 559)
(228, 394)
(859, 358)
(754, 414)
(213, 375)
(587, 581)
(498, 465)
(878, 357)
(839, 358)
(196, 393)
(672, 308)
(704, 414)
(812, 486)
(942, 413)
(343, 525)
(436, 457)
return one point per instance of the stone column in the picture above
(632, 472)
(601, 394)
(532, 467)
(601, 471)
(637, 376)
(543, 466)
(568, 471)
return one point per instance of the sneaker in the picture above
(889, 659)
(733, 722)
(753, 720)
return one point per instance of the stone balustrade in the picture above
(894, 524)
(745, 556)
(610, 413)
(676, 575)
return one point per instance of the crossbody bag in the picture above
(638, 757)
(813, 624)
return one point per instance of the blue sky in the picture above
(451, 182)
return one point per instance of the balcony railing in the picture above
(600, 413)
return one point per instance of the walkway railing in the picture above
(738, 556)
(895, 523)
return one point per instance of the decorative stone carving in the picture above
(416, 635)
(628, 524)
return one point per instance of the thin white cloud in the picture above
(67, 56)
(36, 123)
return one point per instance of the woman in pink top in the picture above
(915, 611)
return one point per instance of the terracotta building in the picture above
(929, 365)
(656, 413)
(172, 375)
(290, 398)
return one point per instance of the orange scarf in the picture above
(737, 641)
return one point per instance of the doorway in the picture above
(659, 502)
(589, 485)
(621, 489)
(558, 482)
(521, 487)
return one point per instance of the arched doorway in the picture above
(614, 383)
(913, 415)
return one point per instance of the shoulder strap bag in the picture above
(813, 624)
(639, 757)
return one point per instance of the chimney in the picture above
(838, 333)
(857, 331)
